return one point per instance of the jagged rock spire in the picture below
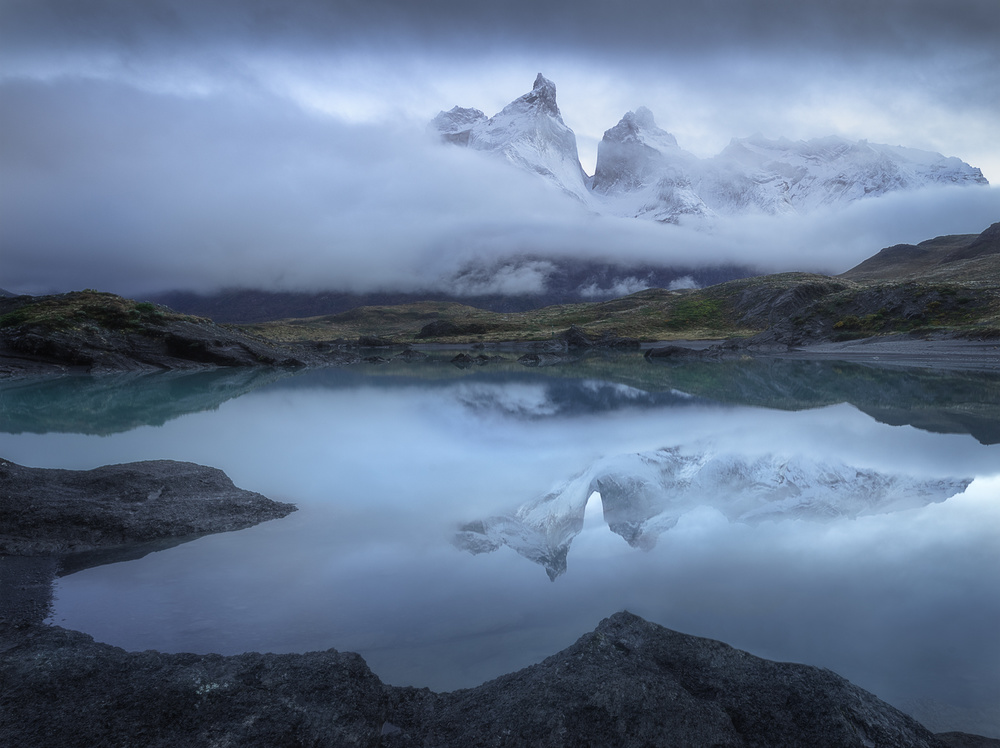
(543, 92)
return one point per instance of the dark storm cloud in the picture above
(167, 143)
(917, 26)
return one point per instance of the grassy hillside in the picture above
(85, 309)
(795, 304)
(946, 285)
(654, 314)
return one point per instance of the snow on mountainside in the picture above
(642, 172)
(645, 494)
(777, 176)
(529, 132)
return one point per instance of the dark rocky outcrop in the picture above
(60, 688)
(178, 345)
(628, 683)
(443, 328)
(58, 512)
(576, 338)
(372, 341)
(100, 332)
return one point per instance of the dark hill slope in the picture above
(962, 257)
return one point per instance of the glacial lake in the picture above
(455, 524)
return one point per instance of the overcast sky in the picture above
(184, 144)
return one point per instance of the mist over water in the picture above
(387, 468)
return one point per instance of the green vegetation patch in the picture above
(81, 309)
(696, 311)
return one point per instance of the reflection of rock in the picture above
(644, 495)
(56, 522)
(530, 400)
(628, 683)
(115, 403)
(936, 400)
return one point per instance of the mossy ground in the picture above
(829, 308)
(87, 309)
(826, 308)
(654, 314)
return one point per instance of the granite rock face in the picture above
(628, 683)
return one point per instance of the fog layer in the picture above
(142, 191)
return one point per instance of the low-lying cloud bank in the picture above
(138, 192)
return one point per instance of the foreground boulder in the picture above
(628, 683)
(58, 688)
(57, 512)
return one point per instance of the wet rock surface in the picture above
(60, 688)
(628, 683)
(57, 512)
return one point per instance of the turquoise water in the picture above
(389, 464)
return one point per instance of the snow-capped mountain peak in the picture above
(642, 172)
(542, 98)
(528, 132)
(455, 125)
(640, 127)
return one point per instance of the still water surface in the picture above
(451, 527)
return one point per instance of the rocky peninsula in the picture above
(94, 332)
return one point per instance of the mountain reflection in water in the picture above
(645, 494)
(800, 527)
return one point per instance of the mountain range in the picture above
(642, 172)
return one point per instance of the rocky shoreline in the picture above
(886, 350)
(628, 683)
